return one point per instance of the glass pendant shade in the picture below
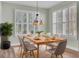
(37, 21)
(41, 22)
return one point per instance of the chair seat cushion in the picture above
(30, 47)
(51, 50)
(26, 43)
(53, 44)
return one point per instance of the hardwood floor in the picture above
(45, 54)
(8, 53)
(13, 52)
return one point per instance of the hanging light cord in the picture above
(37, 9)
(37, 6)
(36, 21)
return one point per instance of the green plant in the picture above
(39, 32)
(6, 29)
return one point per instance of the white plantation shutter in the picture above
(64, 22)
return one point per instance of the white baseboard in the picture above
(76, 49)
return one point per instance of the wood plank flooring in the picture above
(8, 53)
(13, 52)
(45, 54)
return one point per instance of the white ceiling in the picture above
(42, 4)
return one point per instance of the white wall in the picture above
(0, 10)
(8, 11)
(73, 43)
(0, 16)
(78, 23)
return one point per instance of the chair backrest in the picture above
(23, 43)
(20, 40)
(61, 47)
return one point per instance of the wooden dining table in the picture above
(43, 41)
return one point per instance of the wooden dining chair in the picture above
(27, 47)
(21, 44)
(59, 50)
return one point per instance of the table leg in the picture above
(38, 51)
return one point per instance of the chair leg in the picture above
(19, 48)
(56, 56)
(22, 55)
(33, 53)
(26, 54)
(61, 56)
(30, 53)
(46, 47)
(51, 55)
(21, 52)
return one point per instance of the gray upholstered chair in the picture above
(27, 47)
(59, 50)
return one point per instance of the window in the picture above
(23, 21)
(54, 23)
(65, 22)
(20, 22)
(72, 21)
(57, 22)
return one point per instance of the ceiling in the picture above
(41, 4)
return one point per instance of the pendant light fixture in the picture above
(37, 22)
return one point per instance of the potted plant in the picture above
(5, 32)
(38, 32)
